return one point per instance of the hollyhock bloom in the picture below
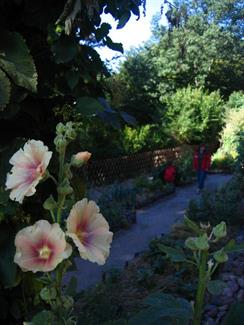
(89, 231)
(80, 158)
(29, 166)
(41, 247)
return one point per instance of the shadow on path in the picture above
(151, 221)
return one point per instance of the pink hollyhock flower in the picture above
(41, 247)
(29, 166)
(89, 231)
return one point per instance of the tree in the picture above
(194, 116)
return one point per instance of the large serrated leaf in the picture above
(5, 89)
(162, 308)
(88, 106)
(16, 61)
(65, 49)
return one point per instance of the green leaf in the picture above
(163, 306)
(72, 78)
(16, 60)
(5, 88)
(215, 287)
(8, 269)
(44, 317)
(123, 19)
(175, 255)
(235, 315)
(88, 106)
(72, 287)
(114, 46)
(193, 226)
(232, 247)
(48, 293)
(103, 31)
(65, 49)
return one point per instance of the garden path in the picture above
(152, 221)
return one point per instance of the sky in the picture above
(134, 33)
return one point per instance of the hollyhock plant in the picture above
(89, 231)
(29, 167)
(41, 247)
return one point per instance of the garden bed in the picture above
(122, 294)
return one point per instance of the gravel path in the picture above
(151, 221)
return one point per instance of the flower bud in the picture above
(60, 143)
(50, 204)
(201, 242)
(80, 159)
(220, 231)
(190, 243)
(70, 132)
(220, 256)
(65, 188)
(60, 128)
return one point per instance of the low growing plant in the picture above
(222, 204)
(169, 309)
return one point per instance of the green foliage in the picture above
(230, 136)
(235, 314)
(164, 309)
(223, 204)
(235, 101)
(117, 205)
(184, 170)
(16, 60)
(194, 115)
(222, 161)
(144, 138)
(215, 287)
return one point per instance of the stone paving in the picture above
(152, 221)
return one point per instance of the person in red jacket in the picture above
(201, 164)
(169, 173)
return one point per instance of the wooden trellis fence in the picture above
(107, 171)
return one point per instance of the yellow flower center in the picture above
(45, 252)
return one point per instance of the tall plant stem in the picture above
(61, 198)
(202, 282)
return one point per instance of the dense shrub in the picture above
(184, 168)
(222, 205)
(236, 101)
(222, 161)
(230, 138)
(145, 138)
(194, 115)
(117, 205)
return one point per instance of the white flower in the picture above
(41, 247)
(29, 166)
(89, 231)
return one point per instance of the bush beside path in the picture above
(151, 221)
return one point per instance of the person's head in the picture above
(202, 147)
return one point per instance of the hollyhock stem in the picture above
(202, 279)
(61, 202)
(61, 198)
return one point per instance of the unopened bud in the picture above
(65, 188)
(80, 158)
(202, 242)
(220, 231)
(50, 204)
(190, 243)
(220, 256)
